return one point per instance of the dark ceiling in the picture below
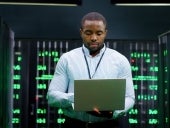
(61, 22)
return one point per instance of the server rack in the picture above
(38, 58)
(6, 74)
(164, 75)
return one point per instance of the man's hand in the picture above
(96, 112)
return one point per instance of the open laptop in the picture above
(104, 94)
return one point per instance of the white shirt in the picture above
(72, 65)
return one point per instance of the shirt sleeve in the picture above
(130, 94)
(57, 92)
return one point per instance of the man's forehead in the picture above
(94, 24)
(90, 22)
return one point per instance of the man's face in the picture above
(93, 34)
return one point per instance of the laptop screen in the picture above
(104, 94)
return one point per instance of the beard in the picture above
(94, 50)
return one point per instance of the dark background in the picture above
(60, 25)
(63, 22)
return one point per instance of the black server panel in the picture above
(35, 62)
(6, 74)
(164, 75)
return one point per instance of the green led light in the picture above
(153, 121)
(41, 67)
(147, 97)
(44, 77)
(140, 55)
(15, 120)
(56, 59)
(135, 87)
(166, 69)
(48, 53)
(133, 111)
(152, 78)
(41, 120)
(16, 111)
(17, 77)
(19, 58)
(165, 81)
(60, 111)
(153, 112)
(133, 121)
(41, 111)
(165, 52)
(153, 87)
(156, 61)
(17, 86)
(166, 120)
(39, 96)
(60, 120)
(134, 68)
(16, 96)
(17, 67)
(41, 86)
(54, 53)
(147, 60)
(155, 69)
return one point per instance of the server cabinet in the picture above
(164, 77)
(6, 74)
(37, 60)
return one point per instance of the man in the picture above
(91, 61)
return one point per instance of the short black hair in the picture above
(93, 16)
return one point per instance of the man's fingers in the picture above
(96, 110)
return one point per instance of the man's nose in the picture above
(93, 38)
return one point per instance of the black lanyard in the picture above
(90, 77)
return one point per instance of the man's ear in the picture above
(81, 31)
(106, 31)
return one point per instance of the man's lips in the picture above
(94, 44)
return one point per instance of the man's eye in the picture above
(99, 33)
(88, 33)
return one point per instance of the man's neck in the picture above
(94, 53)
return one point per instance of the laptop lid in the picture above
(104, 94)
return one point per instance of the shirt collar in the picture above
(87, 53)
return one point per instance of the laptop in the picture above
(104, 94)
